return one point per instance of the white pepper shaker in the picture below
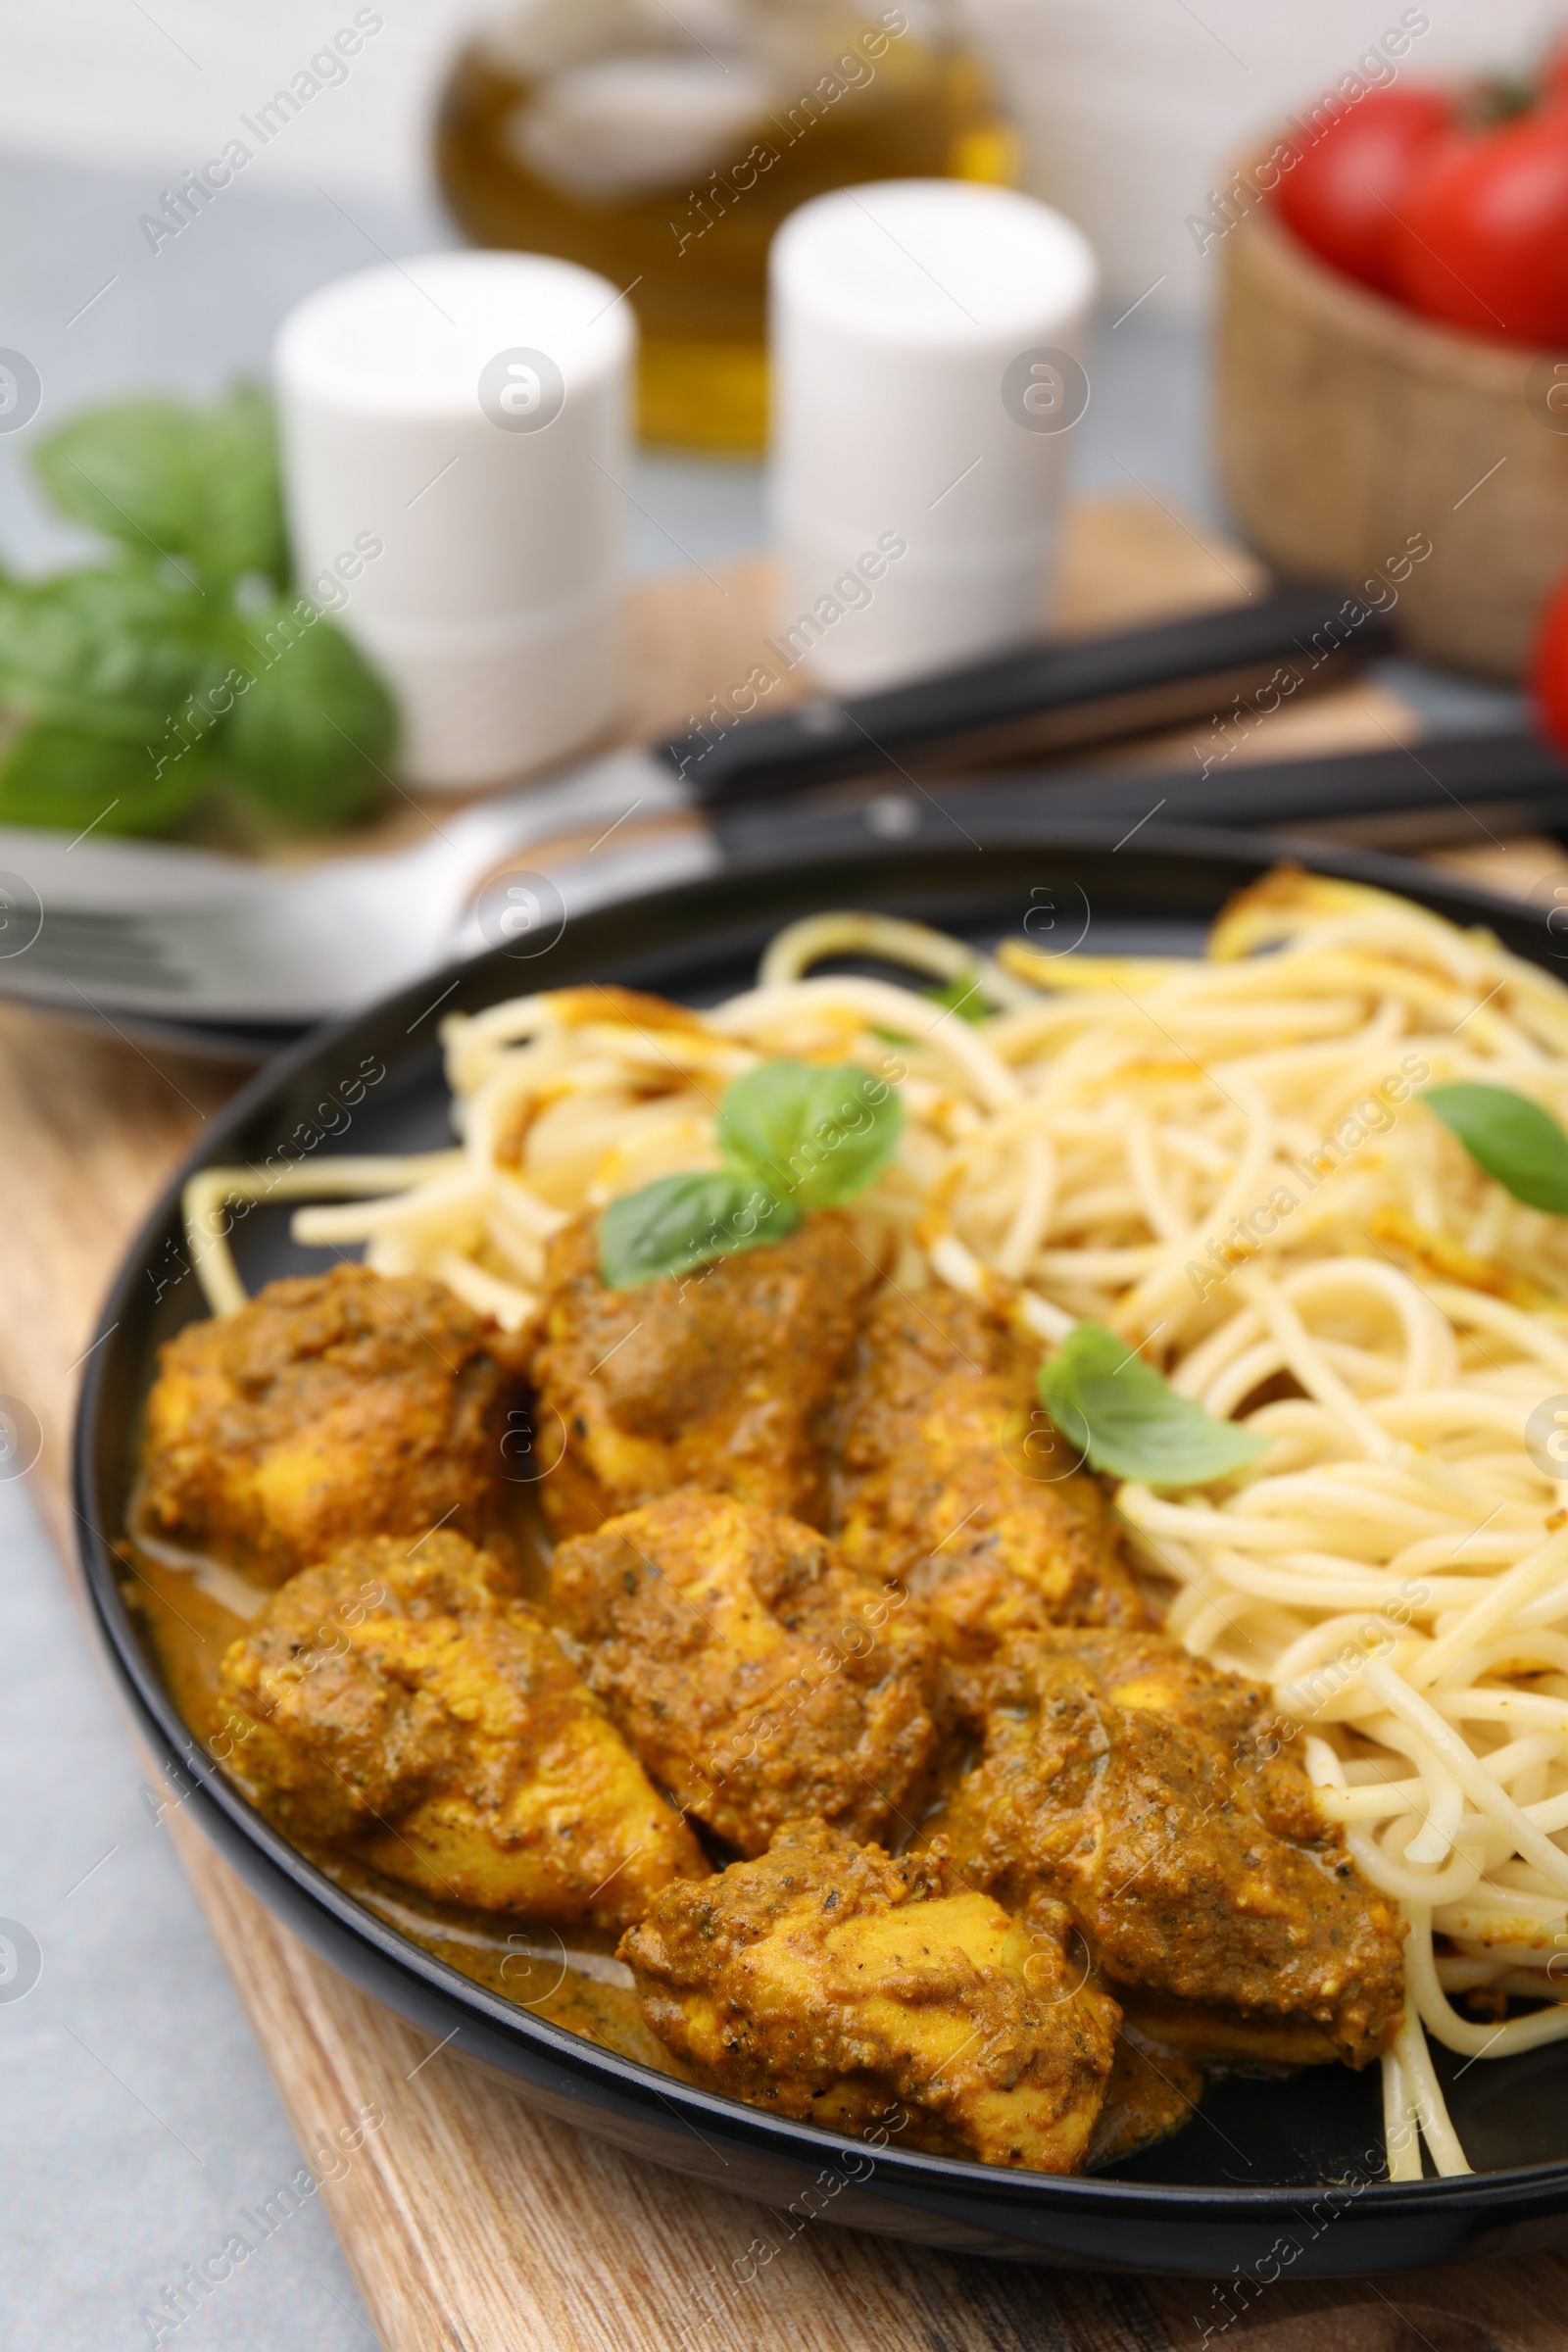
(929, 340)
(454, 434)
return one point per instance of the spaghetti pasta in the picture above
(1227, 1161)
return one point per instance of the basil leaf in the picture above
(682, 1221)
(151, 658)
(115, 653)
(70, 779)
(104, 677)
(793, 1135)
(814, 1135)
(312, 732)
(198, 485)
(1129, 1421)
(1509, 1138)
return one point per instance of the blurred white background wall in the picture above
(158, 85)
(1131, 108)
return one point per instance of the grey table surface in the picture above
(138, 2116)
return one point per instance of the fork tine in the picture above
(108, 948)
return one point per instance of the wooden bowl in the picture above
(1353, 435)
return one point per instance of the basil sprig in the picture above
(187, 660)
(793, 1136)
(1129, 1422)
(1509, 1138)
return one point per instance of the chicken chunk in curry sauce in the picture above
(1138, 1785)
(758, 1676)
(718, 1379)
(405, 1705)
(828, 1983)
(938, 1479)
(333, 1407)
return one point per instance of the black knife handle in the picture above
(1070, 692)
(1425, 793)
(1375, 795)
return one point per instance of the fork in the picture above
(142, 927)
(192, 937)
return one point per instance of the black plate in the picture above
(1297, 2161)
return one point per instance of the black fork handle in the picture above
(1438, 791)
(1246, 658)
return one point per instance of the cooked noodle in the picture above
(1227, 1161)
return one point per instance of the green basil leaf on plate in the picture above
(312, 734)
(161, 656)
(114, 651)
(679, 1222)
(1509, 1138)
(105, 680)
(199, 487)
(814, 1135)
(70, 779)
(1129, 1421)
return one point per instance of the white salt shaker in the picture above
(455, 433)
(928, 343)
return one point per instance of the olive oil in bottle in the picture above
(661, 146)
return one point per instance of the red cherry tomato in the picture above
(1548, 669)
(1342, 196)
(1482, 241)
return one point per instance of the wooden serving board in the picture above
(472, 2223)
